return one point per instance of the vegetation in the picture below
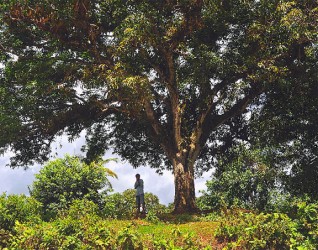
(18, 208)
(63, 180)
(179, 85)
(296, 229)
(84, 226)
(75, 219)
(169, 83)
(122, 205)
(245, 179)
(287, 123)
(110, 221)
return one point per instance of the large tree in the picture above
(161, 82)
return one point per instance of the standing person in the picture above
(139, 186)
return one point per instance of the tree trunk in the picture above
(184, 199)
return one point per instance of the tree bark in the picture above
(184, 199)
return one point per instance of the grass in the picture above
(174, 232)
(172, 228)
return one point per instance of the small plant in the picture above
(75, 228)
(160, 244)
(189, 242)
(128, 239)
(152, 217)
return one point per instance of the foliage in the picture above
(76, 228)
(287, 121)
(212, 216)
(79, 208)
(123, 205)
(5, 237)
(305, 214)
(81, 227)
(245, 179)
(63, 180)
(19, 208)
(152, 217)
(271, 231)
(167, 83)
(128, 239)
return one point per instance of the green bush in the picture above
(18, 208)
(305, 213)
(129, 239)
(63, 180)
(213, 216)
(152, 217)
(119, 206)
(78, 227)
(270, 231)
(306, 216)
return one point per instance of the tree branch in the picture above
(157, 129)
(209, 122)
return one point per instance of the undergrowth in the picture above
(82, 226)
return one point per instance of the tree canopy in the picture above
(165, 83)
(289, 123)
(246, 179)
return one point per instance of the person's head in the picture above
(137, 176)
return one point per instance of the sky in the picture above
(16, 181)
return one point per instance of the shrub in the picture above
(79, 227)
(129, 239)
(213, 216)
(152, 217)
(63, 180)
(264, 231)
(119, 206)
(306, 216)
(18, 208)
